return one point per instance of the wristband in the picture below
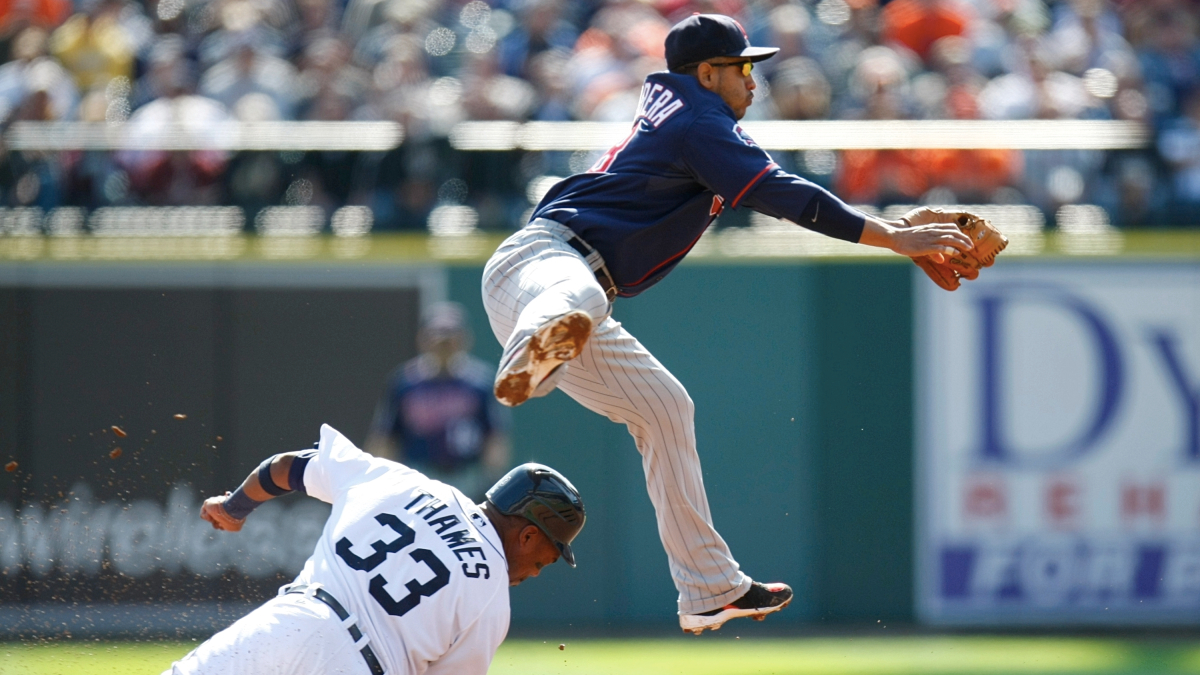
(266, 482)
(238, 505)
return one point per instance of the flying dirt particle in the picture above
(116, 452)
(180, 416)
(10, 467)
(120, 433)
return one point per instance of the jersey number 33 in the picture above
(416, 589)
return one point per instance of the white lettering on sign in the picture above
(139, 538)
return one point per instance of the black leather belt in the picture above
(324, 596)
(595, 262)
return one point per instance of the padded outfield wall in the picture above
(802, 372)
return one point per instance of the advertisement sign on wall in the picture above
(83, 537)
(204, 373)
(1058, 445)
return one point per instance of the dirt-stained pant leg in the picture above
(536, 276)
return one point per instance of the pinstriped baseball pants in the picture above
(535, 276)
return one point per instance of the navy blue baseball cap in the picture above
(707, 36)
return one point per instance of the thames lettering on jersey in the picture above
(469, 552)
(444, 523)
(432, 506)
(457, 538)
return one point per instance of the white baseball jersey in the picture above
(420, 569)
(421, 566)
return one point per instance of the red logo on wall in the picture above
(1062, 501)
(1143, 501)
(986, 498)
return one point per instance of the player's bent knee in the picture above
(591, 299)
(681, 398)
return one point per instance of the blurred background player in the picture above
(438, 414)
(409, 576)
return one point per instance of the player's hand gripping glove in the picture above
(213, 510)
(988, 241)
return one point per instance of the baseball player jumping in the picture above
(621, 227)
(408, 576)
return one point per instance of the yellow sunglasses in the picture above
(747, 66)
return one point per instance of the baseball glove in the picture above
(213, 510)
(989, 242)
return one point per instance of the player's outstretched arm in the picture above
(277, 475)
(923, 232)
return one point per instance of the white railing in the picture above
(281, 136)
(570, 136)
(829, 135)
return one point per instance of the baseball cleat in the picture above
(557, 341)
(757, 603)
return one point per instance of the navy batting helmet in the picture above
(545, 498)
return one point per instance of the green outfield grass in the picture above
(712, 655)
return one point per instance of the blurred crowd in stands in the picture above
(429, 64)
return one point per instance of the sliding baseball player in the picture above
(408, 577)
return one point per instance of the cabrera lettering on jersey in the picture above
(427, 506)
(658, 103)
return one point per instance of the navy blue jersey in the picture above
(646, 202)
(440, 420)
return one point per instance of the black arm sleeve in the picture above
(783, 195)
(296, 473)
